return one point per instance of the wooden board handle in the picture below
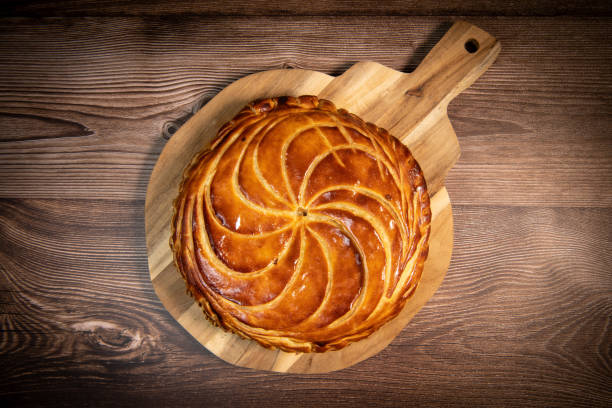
(458, 59)
(381, 94)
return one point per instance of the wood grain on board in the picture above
(410, 106)
(87, 104)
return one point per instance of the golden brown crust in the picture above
(302, 227)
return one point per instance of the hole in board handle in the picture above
(471, 45)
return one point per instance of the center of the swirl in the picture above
(301, 212)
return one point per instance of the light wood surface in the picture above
(522, 317)
(411, 106)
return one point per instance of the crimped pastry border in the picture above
(215, 314)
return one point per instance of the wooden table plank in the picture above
(522, 317)
(39, 8)
(87, 110)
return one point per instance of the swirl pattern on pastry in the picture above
(302, 227)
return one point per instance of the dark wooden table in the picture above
(89, 93)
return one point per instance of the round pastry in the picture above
(302, 227)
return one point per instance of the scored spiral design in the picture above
(301, 227)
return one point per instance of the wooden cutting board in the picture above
(411, 107)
